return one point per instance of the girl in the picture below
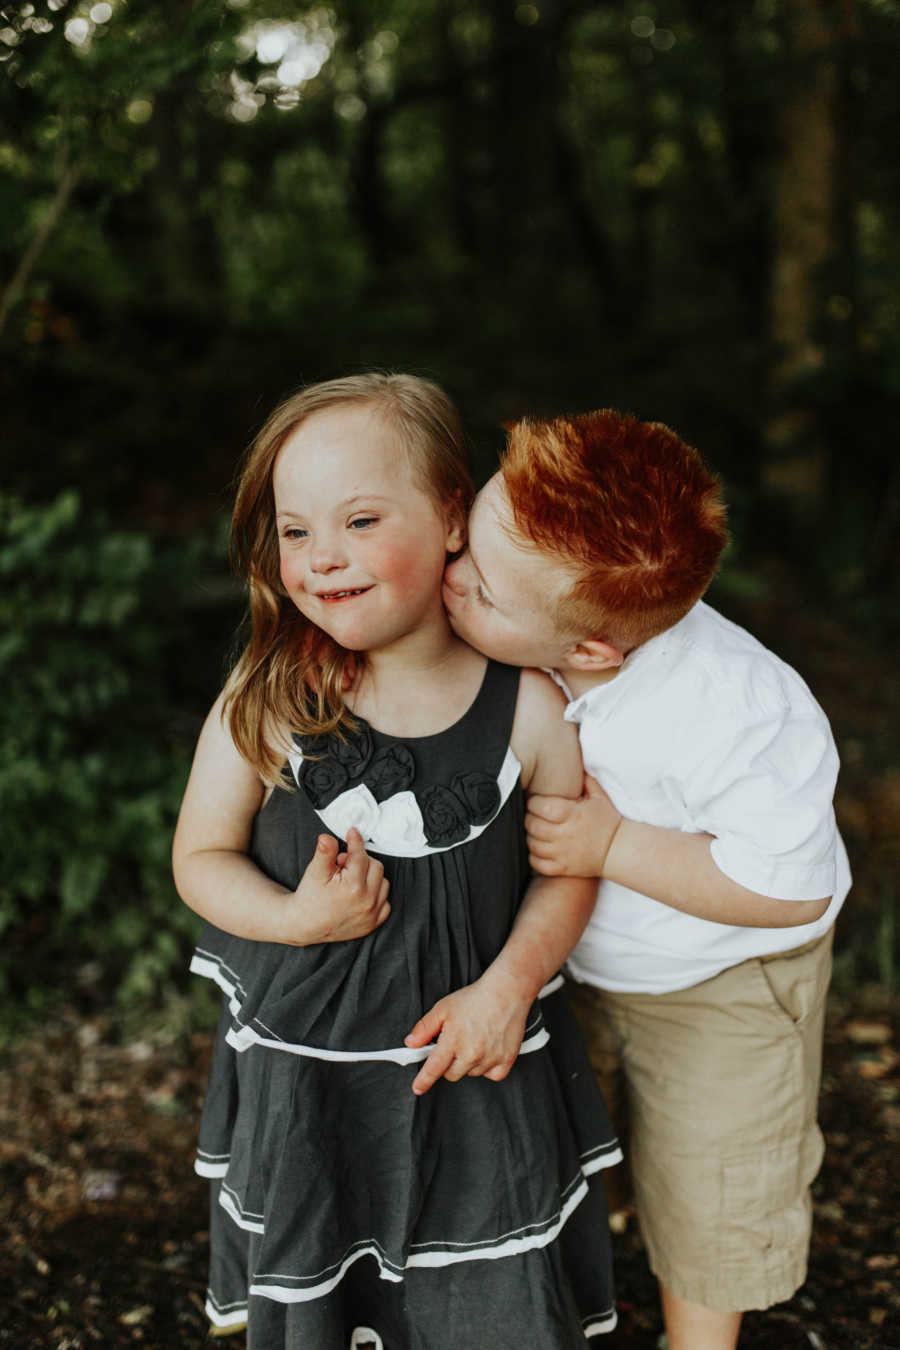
(351, 1204)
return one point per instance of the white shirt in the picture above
(703, 729)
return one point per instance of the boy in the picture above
(707, 815)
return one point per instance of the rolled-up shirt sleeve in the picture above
(765, 792)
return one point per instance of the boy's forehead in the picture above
(504, 553)
(491, 524)
(493, 512)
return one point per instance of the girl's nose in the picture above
(325, 555)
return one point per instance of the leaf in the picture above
(80, 882)
(136, 1316)
(868, 1033)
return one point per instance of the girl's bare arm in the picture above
(339, 896)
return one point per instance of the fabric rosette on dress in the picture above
(350, 783)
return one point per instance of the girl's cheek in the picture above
(287, 573)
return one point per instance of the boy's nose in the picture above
(453, 576)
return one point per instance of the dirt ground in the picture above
(103, 1226)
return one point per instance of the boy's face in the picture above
(502, 594)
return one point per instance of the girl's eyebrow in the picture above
(348, 501)
(364, 497)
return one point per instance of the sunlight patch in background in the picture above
(80, 28)
(295, 51)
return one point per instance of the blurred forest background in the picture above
(686, 210)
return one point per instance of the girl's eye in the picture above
(294, 532)
(361, 522)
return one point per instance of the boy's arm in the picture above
(480, 1028)
(589, 836)
(338, 897)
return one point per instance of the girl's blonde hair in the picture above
(291, 676)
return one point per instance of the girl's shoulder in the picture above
(539, 694)
(540, 735)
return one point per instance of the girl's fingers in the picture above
(358, 860)
(425, 1030)
(437, 1065)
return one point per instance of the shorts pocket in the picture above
(758, 1187)
(797, 984)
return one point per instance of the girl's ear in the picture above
(456, 537)
(456, 526)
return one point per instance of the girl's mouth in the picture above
(333, 597)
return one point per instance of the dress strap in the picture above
(490, 719)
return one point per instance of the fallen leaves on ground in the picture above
(103, 1222)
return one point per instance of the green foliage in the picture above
(543, 207)
(92, 760)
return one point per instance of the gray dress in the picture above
(344, 1208)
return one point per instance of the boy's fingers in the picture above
(539, 865)
(592, 788)
(553, 809)
(539, 828)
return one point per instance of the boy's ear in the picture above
(594, 654)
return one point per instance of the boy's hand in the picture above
(571, 838)
(479, 1030)
(340, 895)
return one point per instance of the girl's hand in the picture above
(479, 1031)
(340, 895)
(571, 838)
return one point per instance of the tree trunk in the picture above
(48, 225)
(804, 238)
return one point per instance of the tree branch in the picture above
(51, 220)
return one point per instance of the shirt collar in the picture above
(600, 700)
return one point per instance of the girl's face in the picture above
(362, 545)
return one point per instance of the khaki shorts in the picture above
(713, 1091)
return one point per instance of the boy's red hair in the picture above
(630, 506)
